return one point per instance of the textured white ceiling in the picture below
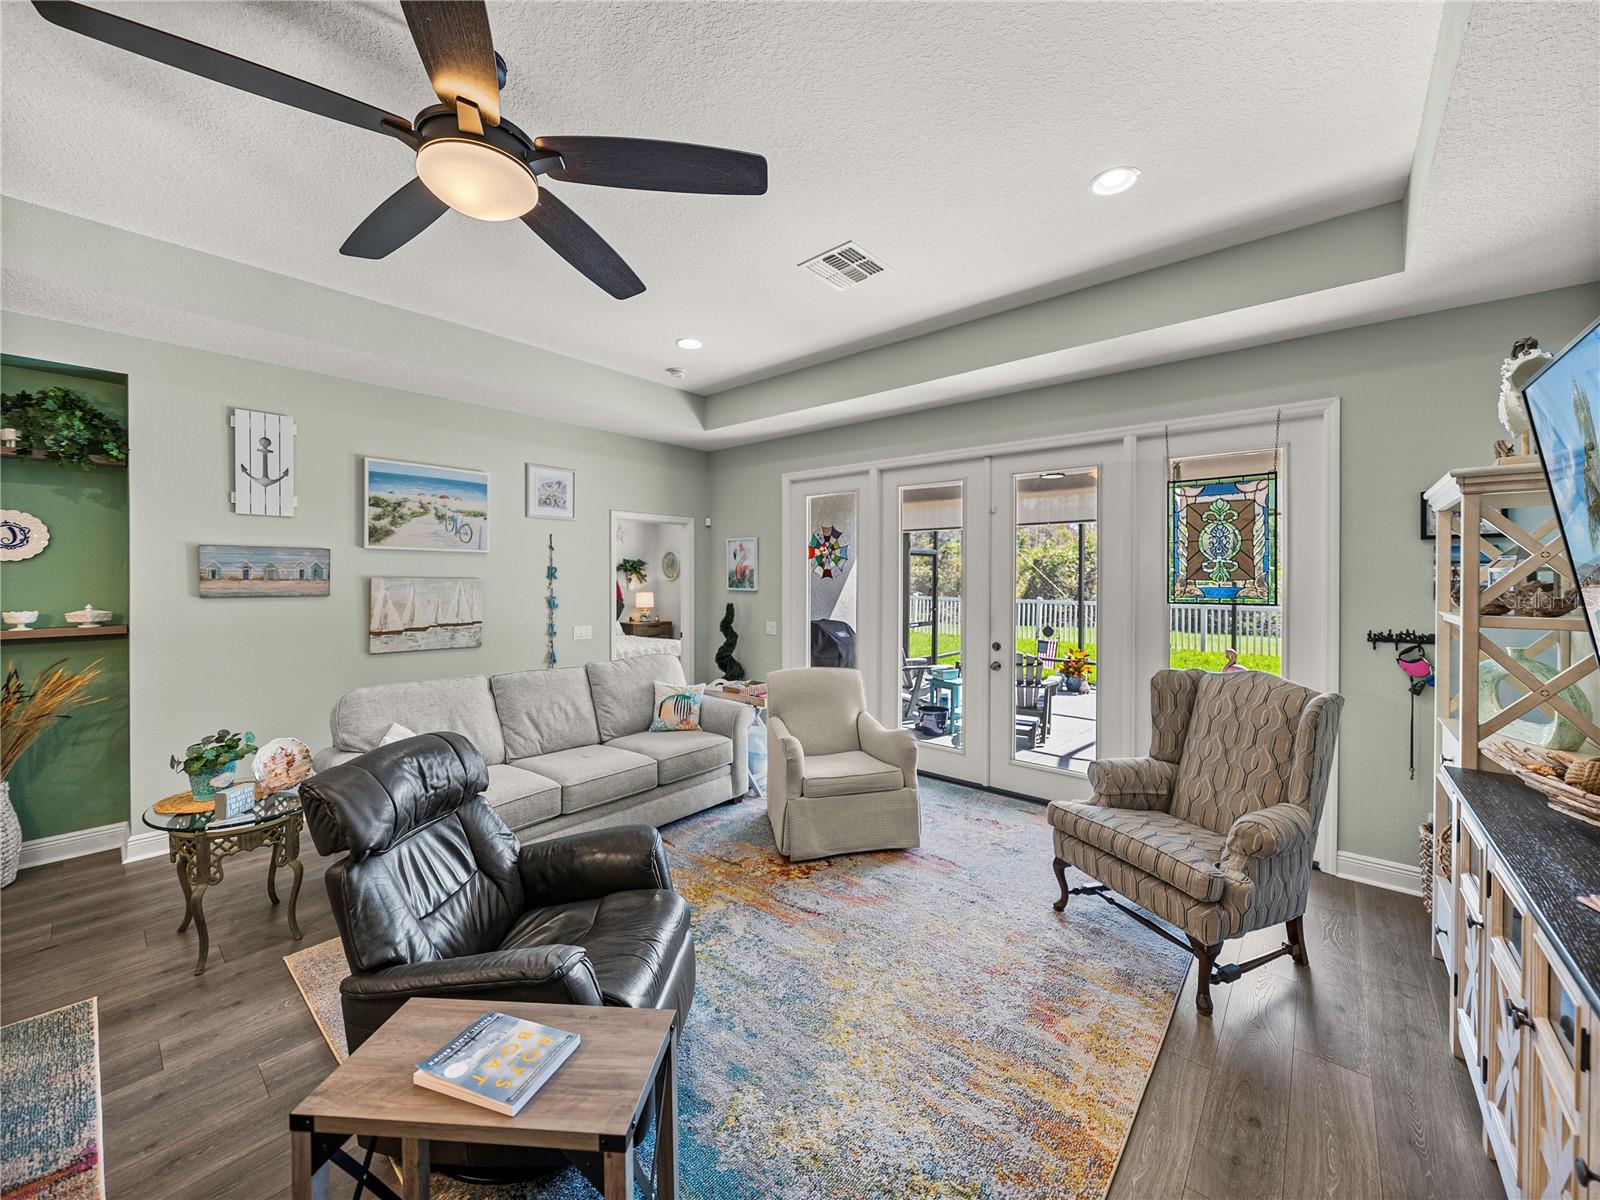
(954, 140)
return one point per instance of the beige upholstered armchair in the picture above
(1213, 831)
(837, 781)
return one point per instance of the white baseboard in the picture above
(1379, 872)
(149, 843)
(43, 850)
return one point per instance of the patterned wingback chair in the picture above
(1213, 830)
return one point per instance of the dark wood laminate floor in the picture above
(1333, 1082)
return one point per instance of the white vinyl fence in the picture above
(1194, 626)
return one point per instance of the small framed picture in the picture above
(742, 564)
(550, 493)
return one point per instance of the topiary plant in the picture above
(65, 425)
(730, 666)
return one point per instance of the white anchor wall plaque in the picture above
(263, 463)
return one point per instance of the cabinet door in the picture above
(1554, 1142)
(1558, 1084)
(1505, 1020)
(1473, 946)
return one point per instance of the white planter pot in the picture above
(10, 837)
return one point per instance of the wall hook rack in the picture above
(1402, 637)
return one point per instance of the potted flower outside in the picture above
(1074, 668)
(210, 757)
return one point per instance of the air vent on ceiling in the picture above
(844, 266)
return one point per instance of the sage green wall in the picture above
(276, 665)
(76, 775)
(1417, 398)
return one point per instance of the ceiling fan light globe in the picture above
(474, 178)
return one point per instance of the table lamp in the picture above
(644, 601)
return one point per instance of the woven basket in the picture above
(1543, 771)
(1425, 864)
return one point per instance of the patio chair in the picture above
(1034, 681)
(913, 682)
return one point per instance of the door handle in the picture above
(1582, 1173)
(994, 666)
(1519, 1015)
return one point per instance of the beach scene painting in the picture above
(424, 613)
(264, 570)
(413, 506)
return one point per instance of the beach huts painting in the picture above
(412, 613)
(413, 506)
(264, 570)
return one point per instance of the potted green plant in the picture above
(64, 425)
(632, 570)
(210, 756)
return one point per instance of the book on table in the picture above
(498, 1061)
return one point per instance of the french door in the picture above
(1010, 608)
(1004, 658)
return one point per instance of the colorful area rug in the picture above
(50, 1108)
(905, 1024)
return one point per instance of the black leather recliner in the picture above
(435, 897)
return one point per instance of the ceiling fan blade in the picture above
(657, 166)
(565, 232)
(395, 222)
(220, 67)
(457, 50)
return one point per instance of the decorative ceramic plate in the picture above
(22, 535)
(669, 564)
(282, 763)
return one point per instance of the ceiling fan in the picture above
(469, 157)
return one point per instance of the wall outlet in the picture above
(772, 629)
(582, 633)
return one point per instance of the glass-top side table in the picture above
(198, 844)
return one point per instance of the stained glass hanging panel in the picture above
(1223, 540)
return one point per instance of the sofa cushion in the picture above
(1157, 843)
(624, 691)
(463, 706)
(522, 798)
(680, 755)
(592, 775)
(632, 938)
(849, 773)
(544, 711)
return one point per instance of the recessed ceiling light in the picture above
(690, 343)
(1117, 179)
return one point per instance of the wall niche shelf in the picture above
(62, 631)
(38, 456)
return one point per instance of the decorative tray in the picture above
(1547, 772)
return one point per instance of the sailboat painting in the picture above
(407, 612)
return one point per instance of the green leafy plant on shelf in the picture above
(210, 756)
(632, 570)
(65, 426)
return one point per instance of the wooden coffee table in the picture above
(593, 1103)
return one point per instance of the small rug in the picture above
(903, 1024)
(50, 1112)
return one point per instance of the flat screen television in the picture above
(1564, 408)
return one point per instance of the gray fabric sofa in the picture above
(568, 749)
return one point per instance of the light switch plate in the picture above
(582, 633)
(772, 628)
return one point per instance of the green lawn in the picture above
(1209, 660)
